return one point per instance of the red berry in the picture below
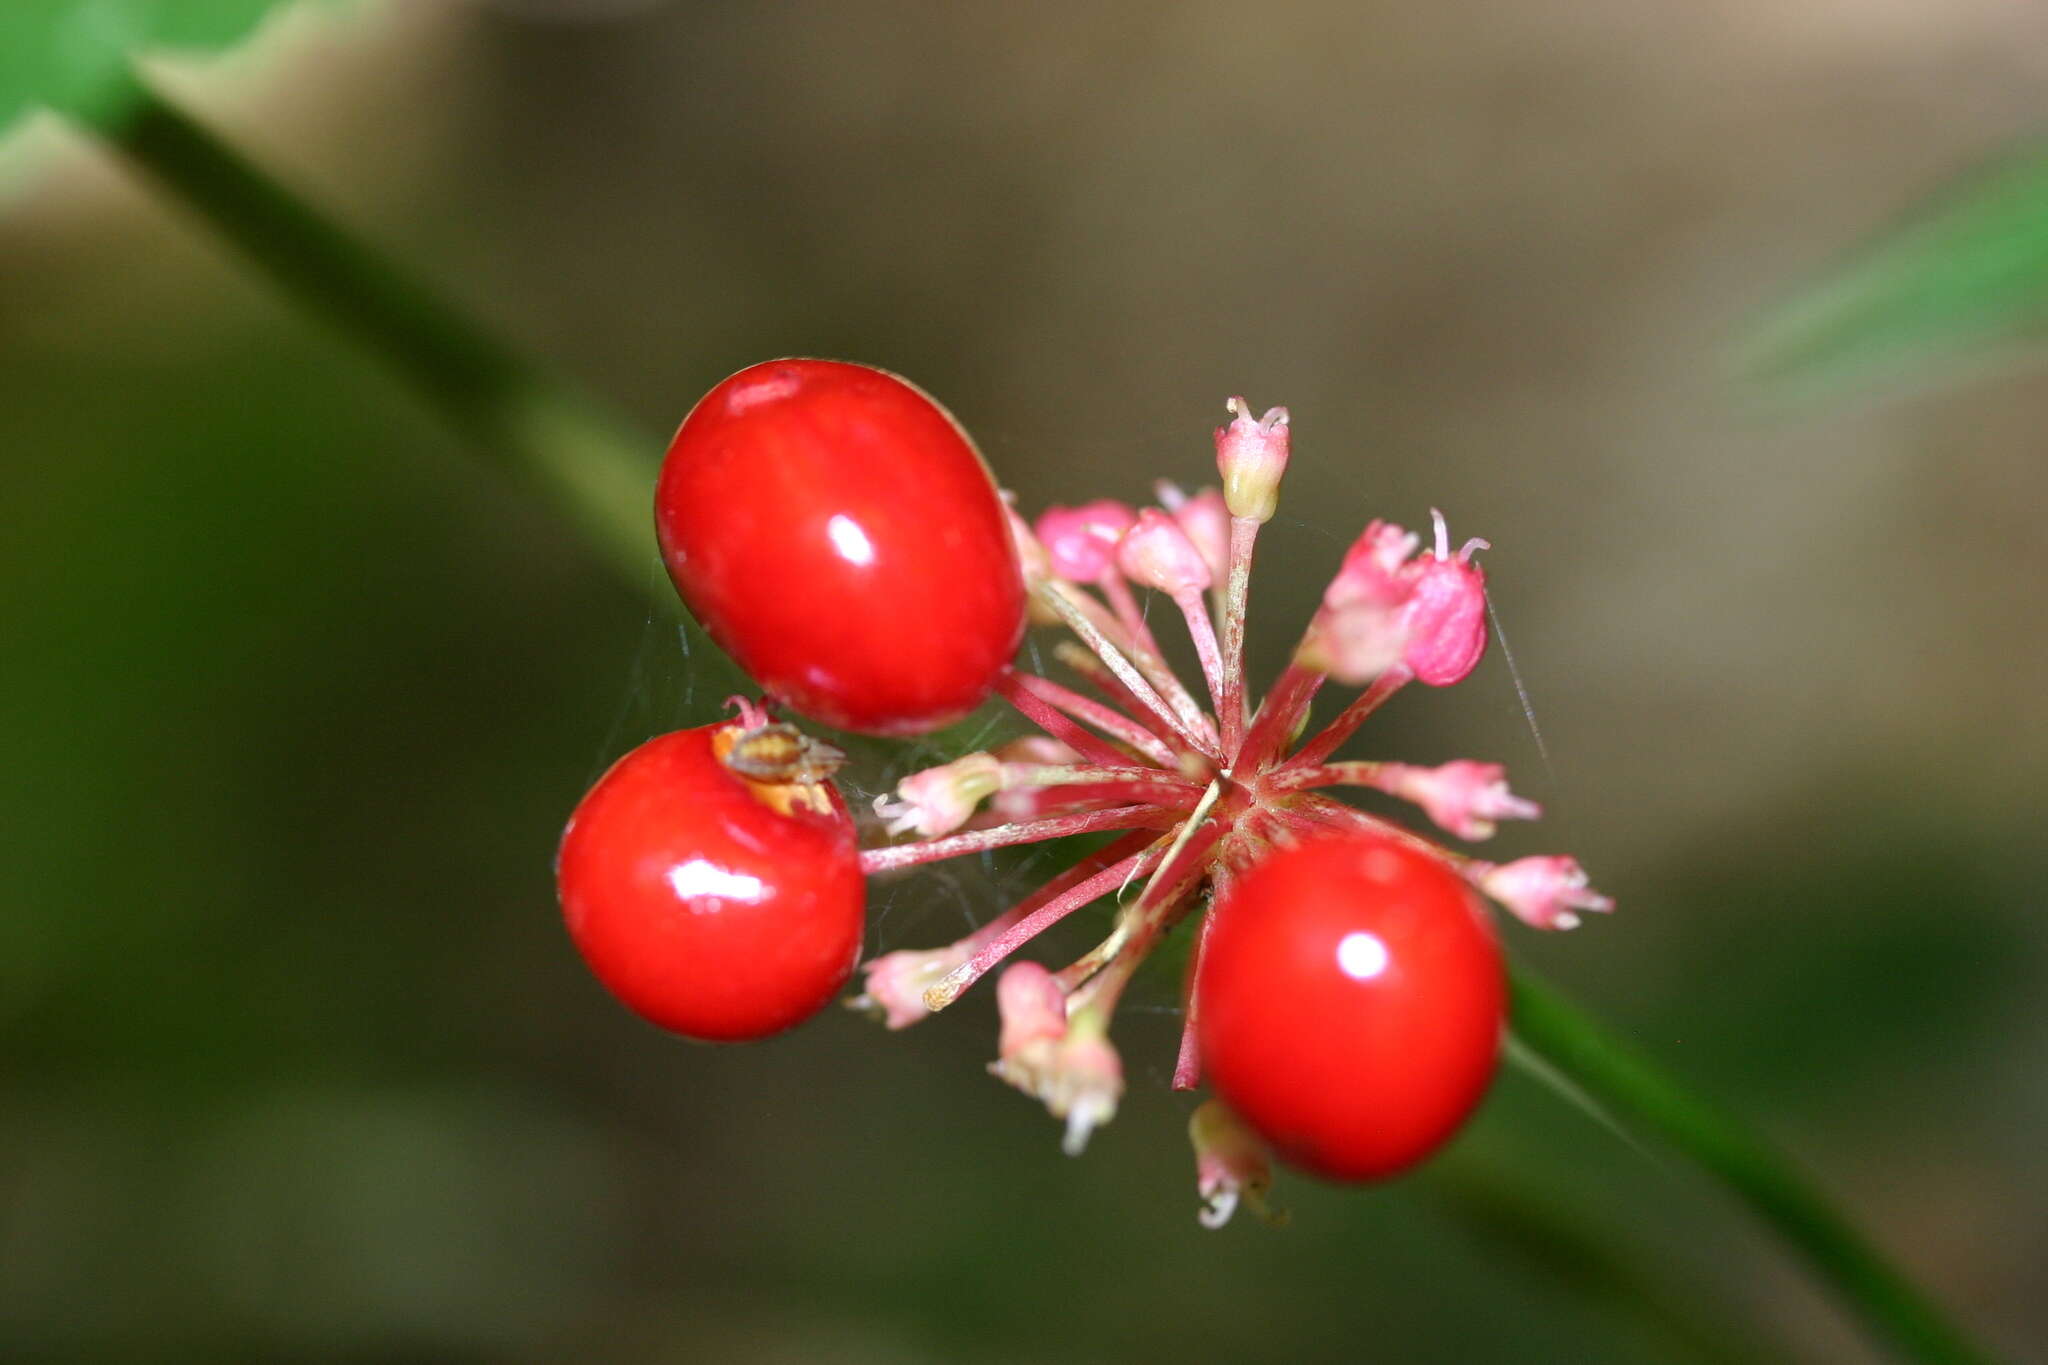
(837, 533)
(720, 907)
(1351, 1004)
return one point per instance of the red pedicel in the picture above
(714, 905)
(1352, 1001)
(837, 534)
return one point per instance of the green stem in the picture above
(1637, 1093)
(1552, 1237)
(592, 466)
(569, 448)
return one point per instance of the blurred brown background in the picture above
(296, 694)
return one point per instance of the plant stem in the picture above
(890, 857)
(987, 954)
(597, 471)
(1062, 600)
(1104, 718)
(1639, 1093)
(1274, 723)
(1237, 589)
(1349, 719)
(1559, 1245)
(569, 448)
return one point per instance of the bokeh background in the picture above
(297, 692)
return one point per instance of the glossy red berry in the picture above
(837, 533)
(1352, 1000)
(720, 907)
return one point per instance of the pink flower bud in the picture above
(1231, 1165)
(938, 800)
(1086, 1084)
(1031, 553)
(1543, 892)
(1463, 797)
(1252, 455)
(1077, 1073)
(896, 983)
(1354, 643)
(1082, 540)
(1207, 522)
(1375, 568)
(1363, 630)
(1445, 612)
(1033, 1009)
(1155, 553)
(1035, 564)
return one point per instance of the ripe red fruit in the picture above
(718, 906)
(1351, 1004)
(837, 533)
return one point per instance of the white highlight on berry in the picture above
(1361, 956)
(700, 878)
(849, 540)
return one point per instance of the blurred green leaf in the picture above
(72, 55)
(1967, 270)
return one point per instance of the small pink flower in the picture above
(1445, 612)
(1075, 1071)
(1082, 540)
(1033, 1010)
(1034, 564)
(1252, 454)
(1085, 1086)
(1356, 642)
(1031, 553)
(1363, 628)
(1375, 568)
(1206, 520)
(1231, 1166)
(1462, 796)
(939, 800)
(896, 983)
(1544, 892)
(1156, 553)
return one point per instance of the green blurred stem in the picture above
(593, 468)
(1563, 1045)
(567, 447)
(1550, 1234)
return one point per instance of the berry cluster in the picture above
(837, 533)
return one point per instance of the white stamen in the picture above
(1217, 1209)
